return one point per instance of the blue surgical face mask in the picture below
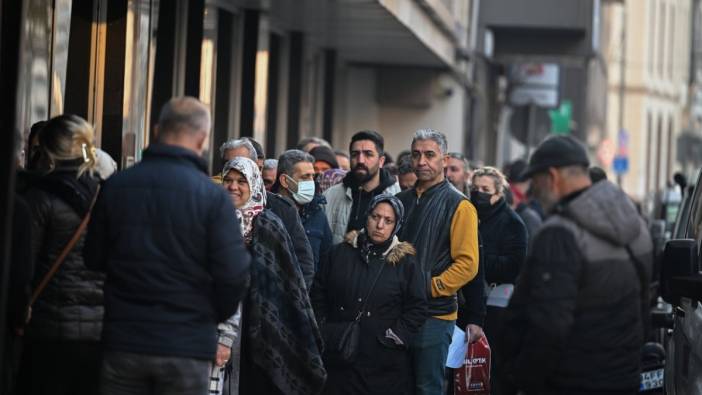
(305, 190)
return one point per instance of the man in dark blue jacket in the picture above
(296, 182)
(176, 265)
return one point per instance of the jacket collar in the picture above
(395, 251)
(160, 151)
(493, 210)
(433, 190)
(385, 182)
(313, 206)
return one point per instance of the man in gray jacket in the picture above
(347, 202)
(575, 322)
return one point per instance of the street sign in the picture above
(623, 143)
(560, 118)
(621, 165)
(534, 84)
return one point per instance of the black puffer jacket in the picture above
(504, 243)
(71, 306)
(574, 322)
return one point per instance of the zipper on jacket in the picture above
(358, 204)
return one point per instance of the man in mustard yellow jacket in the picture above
(443, 226)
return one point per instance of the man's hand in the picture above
(475, 333)
(223, 354)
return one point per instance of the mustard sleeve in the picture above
(464, 252)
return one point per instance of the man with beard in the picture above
(575, 321)
(458, 172)
(347, 202)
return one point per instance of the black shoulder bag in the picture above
(342, 343)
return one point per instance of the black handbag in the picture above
(342, 338)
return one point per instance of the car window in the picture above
(694, 228)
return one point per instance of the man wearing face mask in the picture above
(504, 237)
(296, 182)
(575, 323)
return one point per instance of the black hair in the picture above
(388, 159)
(258, 147)
(371, 135)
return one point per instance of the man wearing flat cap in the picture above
(576, 319)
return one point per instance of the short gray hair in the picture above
(237, 143)
(461, 157)
(184, 114)
(317, 140)
(433, 135)
(270, 164)
(290, 158)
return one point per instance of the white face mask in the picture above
(305, 191)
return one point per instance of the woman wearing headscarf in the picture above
(392, 313)
(330, 178)
(280, 341)
(62, 338)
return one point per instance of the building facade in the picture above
(649, 62)
(274, 70)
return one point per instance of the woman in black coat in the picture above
(504, 237)
(395, 310)
(62, 349)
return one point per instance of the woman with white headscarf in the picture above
(281, 344)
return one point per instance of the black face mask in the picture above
(481, 200)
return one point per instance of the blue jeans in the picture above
(429, 352)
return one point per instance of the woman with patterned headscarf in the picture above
(280, 341)
(375, 274)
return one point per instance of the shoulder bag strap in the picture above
(370, 292)
(64, 253)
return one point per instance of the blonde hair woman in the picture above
(62, 353)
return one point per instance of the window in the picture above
(651, 36)
(660, 55)
(671, 54)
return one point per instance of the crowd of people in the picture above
(320, 271)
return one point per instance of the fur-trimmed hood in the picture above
(393, 255)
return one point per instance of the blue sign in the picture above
(621, 164)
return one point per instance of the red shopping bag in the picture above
(473, 378)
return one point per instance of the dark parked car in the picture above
(681, 286)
